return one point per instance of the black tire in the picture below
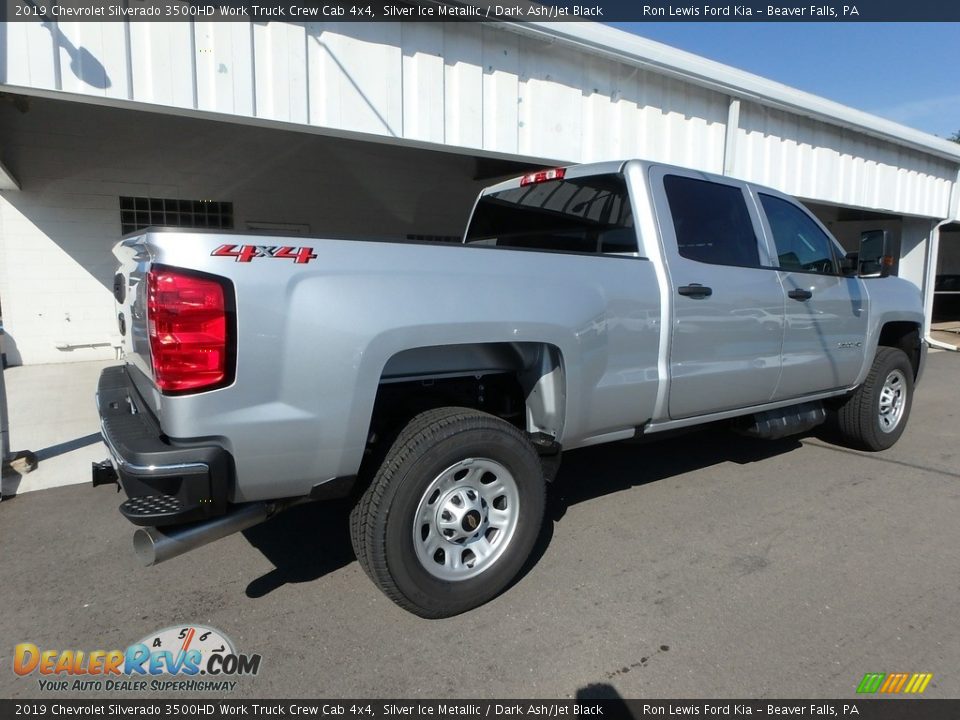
(859, 420)
(382, 522)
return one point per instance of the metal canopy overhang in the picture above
(526, 161)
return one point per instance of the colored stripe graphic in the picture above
(870, 683)
(893, 683)
(918, 683)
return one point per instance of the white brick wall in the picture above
(49, 297)
(73, 162)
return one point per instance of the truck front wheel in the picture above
(452, 513)
(875, 416)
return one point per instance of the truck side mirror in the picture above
(875, 257)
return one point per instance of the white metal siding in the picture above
(479, 88)
(818, 161)
(161, 60)
(464, 86)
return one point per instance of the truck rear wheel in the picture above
(875, 416)
(452, 513)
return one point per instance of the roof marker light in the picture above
(543, 176)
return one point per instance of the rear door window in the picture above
(580, 215)
(711, 222)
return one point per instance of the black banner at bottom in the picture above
(866, 709)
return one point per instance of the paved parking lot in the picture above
(708, 565)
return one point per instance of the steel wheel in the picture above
(466, 518)
(453, 512)
(893, 399)
(876, 414)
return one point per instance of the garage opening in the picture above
(911, 237)
(945, 325)
(847, 224)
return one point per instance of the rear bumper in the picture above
(167, 482)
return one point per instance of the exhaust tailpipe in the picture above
(155, 545)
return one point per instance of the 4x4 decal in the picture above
(246, 253)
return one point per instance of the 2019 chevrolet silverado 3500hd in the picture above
(438, 384)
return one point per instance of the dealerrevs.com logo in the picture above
(188, 658)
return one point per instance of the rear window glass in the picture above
(582, 215)
(711, 222)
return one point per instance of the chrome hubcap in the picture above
(466, 519)
(893, 400)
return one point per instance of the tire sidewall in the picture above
(893, 361)
(409, 484)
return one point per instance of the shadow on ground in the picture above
(614, 705)
(303, 543)
(309, 541)
(597, 471)
(69, 446)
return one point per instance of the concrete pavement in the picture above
(52, 413)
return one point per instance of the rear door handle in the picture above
(695, 290)
(800, 294)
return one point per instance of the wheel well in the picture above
(521, 383)
(905, 336)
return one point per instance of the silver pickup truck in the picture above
(437, 384)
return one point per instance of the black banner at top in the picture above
(482, 10)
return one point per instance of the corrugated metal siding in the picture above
(162, 63)
(585, 108)
(469, 87)
(820, 162)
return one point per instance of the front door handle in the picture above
(695, 290)
(800, 294)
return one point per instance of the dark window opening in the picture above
(582, 215)
(801, 244)
(711, 222)
(137, 213)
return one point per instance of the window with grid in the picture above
(137, 213)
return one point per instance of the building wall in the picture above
(73, 162)
(818, 161)
(479, 88)
(465, 85)
(368, 128)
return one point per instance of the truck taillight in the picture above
(188, 327)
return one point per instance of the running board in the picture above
(776, 424)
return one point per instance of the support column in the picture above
(730, 141)
(918, 245)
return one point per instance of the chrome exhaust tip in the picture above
(156, 545)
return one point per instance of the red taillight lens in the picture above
(187, 322)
